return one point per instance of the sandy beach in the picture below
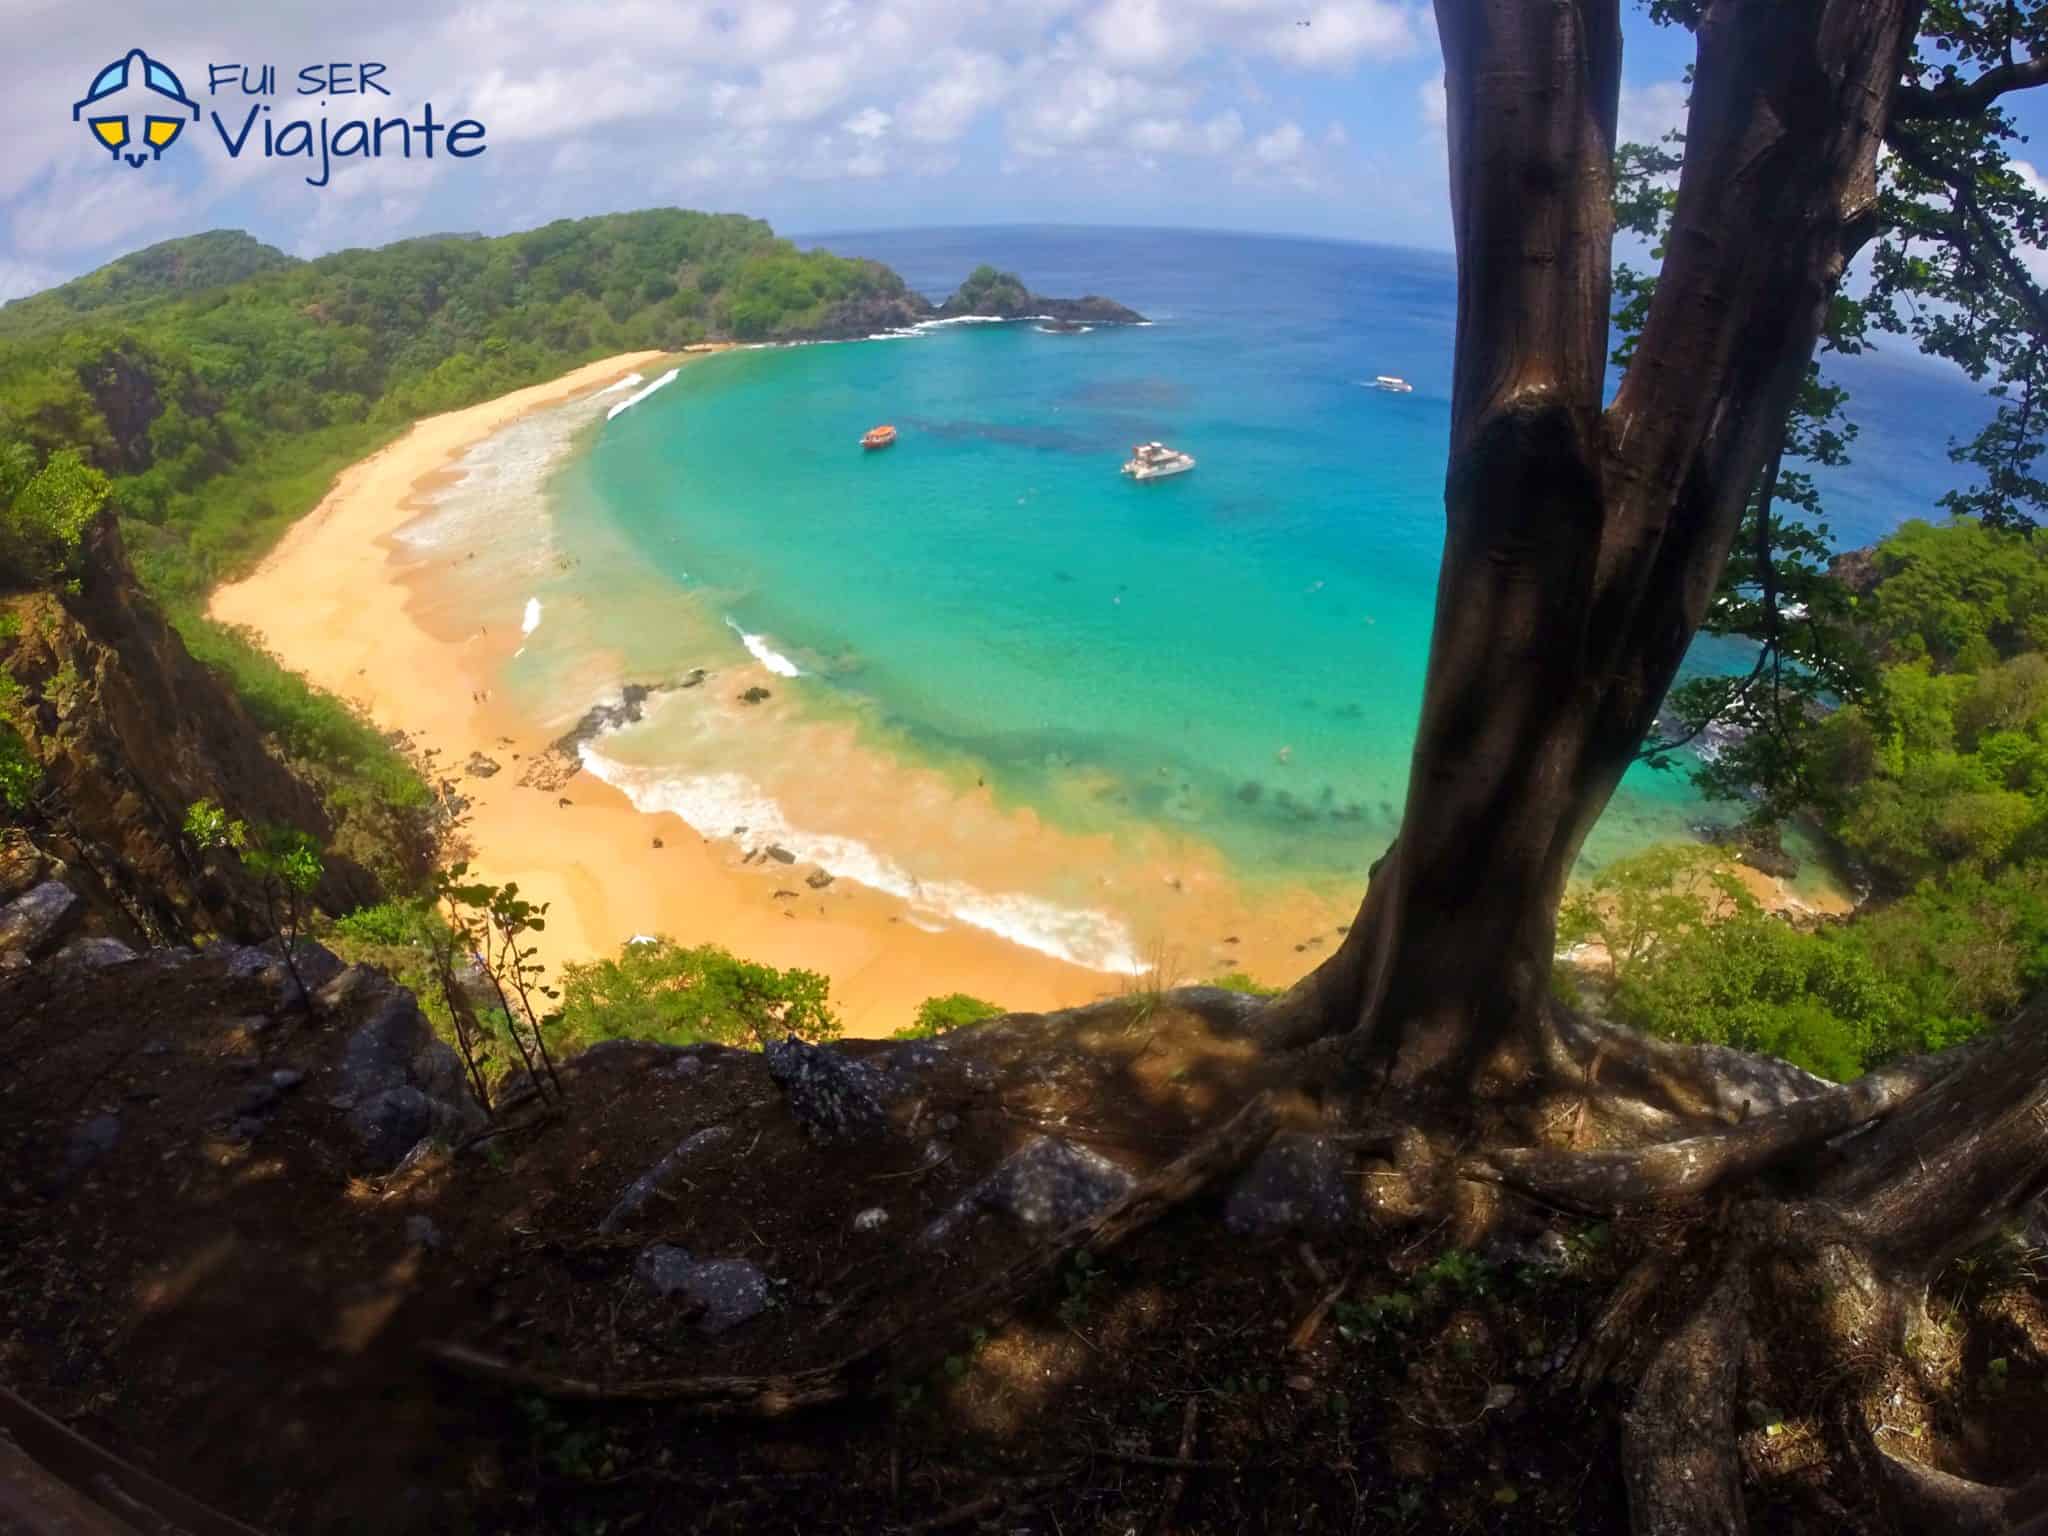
(332, 603)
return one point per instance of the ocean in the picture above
(1004, 681)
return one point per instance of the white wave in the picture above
(1046, 330)
(611, 389)
(530, 620)
(760, 650)
(642, 393)
(715, 802)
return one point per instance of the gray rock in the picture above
(817, 879)
(1296, 1184)
(873, 1219)
(1048, 1185)
(780, 854)
(32, 924)
(318, 965)
(286, 1078)
(421, 1232)
(833, 1097)
(657, 1178)
(728, 1290)
(391, 1123)
(480, 766)
(94, 954)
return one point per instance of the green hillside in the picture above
(188, 265)
(220, 384)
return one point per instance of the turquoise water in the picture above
(1235, 655)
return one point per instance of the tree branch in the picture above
(1966, 98)
(2010, 274)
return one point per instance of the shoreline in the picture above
(333, 601)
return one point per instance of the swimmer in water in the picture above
(1284, 755)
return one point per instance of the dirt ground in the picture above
(254, 1320)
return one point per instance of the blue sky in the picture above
(814, 114)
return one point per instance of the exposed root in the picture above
(1678, 1437)
(921, 1343)
(1606, 1183)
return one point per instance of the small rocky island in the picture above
(1002, 295)
(890, 305)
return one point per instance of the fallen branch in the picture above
(916, 1345)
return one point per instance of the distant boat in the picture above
(878, 437)
(1155, 461)
(1392, 385)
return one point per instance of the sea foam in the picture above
(758, 647)
(530, 620)
(613, 388)
(713, 802)
(642, 393)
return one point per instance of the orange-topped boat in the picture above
(878, 437)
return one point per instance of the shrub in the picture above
(659, 990)
(942, 1015)
(1241, 981)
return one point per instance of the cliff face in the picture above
(129, 730)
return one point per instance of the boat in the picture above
(1155, 461)
(1392, 385)
(878, 437)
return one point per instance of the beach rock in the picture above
(697, 675)
(755, 695)
(729, 1291)
(31, 925)
(833, 1097)
(780, 854)
(817, 879)
(1296, 1184)
(1049, 1185)
(657, 1178)
(480, 766)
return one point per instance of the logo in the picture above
(136, 105)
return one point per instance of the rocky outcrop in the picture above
(396, 1082)
(1003, 296)
(129, 730)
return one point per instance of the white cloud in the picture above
(868, 123)
(1436, 108)
(966, 84)
(615, 104)
(1647, 113)
(1282, 146)
(18, 278)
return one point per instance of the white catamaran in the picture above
(1155, 461)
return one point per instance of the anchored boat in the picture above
(1155, 461)
(878, 437)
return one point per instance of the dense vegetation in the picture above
(1934, 780)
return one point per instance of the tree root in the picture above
(1608, 1183)
(1678, 1438)
(917, 1345)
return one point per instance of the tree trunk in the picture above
(1582, 546)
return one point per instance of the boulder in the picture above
(94, 954)
(33, 924)
(398, 1082)
(1296, 1184)
(833, 1097)
(317, 964)
(1047, 1186)
(729, 1291)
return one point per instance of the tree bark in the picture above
(1582, 547)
